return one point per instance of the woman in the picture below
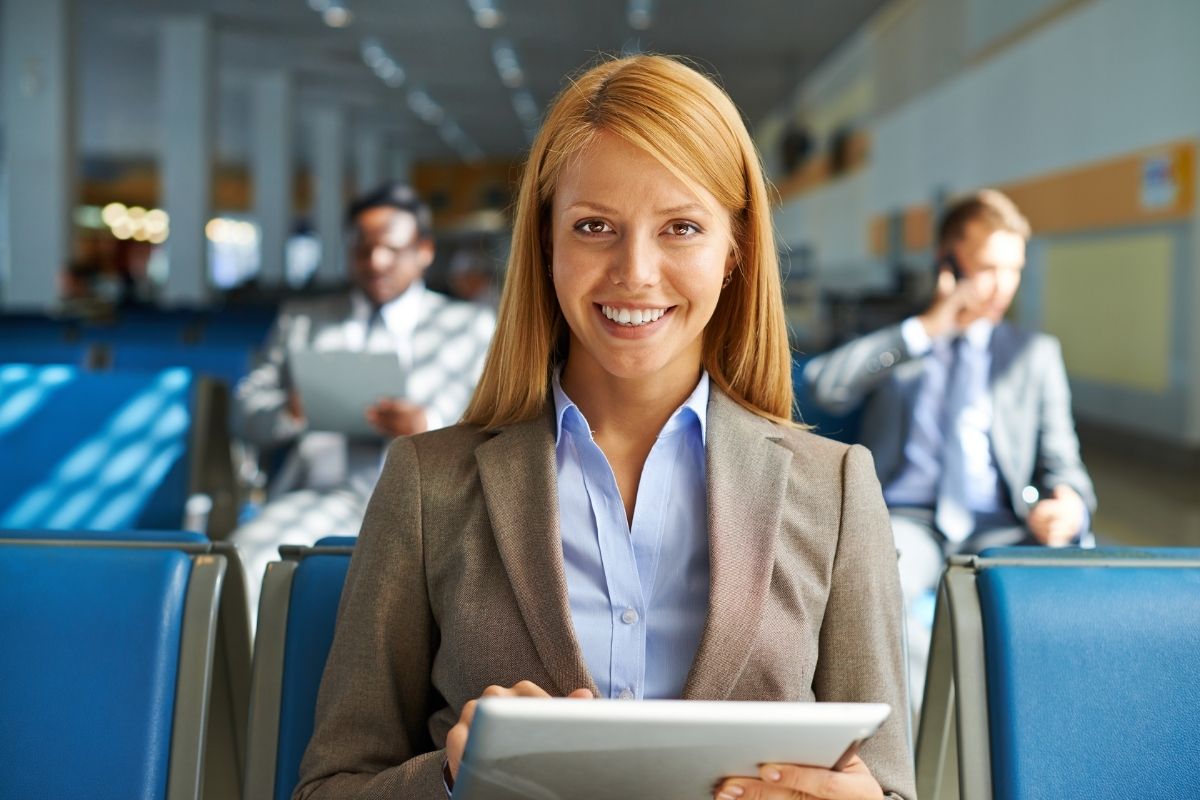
(626, 510)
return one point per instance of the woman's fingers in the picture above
(791, 782)
(456, 738)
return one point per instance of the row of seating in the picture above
(1064, 674)
(183, 327)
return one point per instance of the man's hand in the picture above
(393, 417)
(294, 407)
(956, 304)
(1056, 520)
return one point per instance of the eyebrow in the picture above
(686, 208)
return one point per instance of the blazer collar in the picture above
(518, 473)
(747, 479)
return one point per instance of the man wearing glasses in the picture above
(322, 486)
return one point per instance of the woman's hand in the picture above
(456, 739)
(791, 782)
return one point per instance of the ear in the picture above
(424, 254)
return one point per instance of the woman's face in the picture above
(638, 258)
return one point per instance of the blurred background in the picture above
(196, 156)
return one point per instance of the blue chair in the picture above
(114, 450)
(842, 427)
(25, 351)
(1064, 674)
(230, 691)
(227, 363)
(106, 667)
(296, 618)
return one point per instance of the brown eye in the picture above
(683, 229)
(592, 226)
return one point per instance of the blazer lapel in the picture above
(518, 473)
(747, 478)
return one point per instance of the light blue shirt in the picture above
(639, 596)
(917, 483)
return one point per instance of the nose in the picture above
(379, 258)
(635, 264)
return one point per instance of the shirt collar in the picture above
(979, 333)
(566, 413)
(399, 315)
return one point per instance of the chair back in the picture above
(110, 451)
(1064, 673)
(296, 620)
(106, 666)
(842, 427)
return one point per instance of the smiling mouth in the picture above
(634, 317)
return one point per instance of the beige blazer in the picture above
(457, 583)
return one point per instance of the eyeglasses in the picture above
(365, 250)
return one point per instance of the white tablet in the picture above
(600, 749)
(337, 386)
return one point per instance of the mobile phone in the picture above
(950, 263)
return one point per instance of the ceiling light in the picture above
(487, 13)
(640, 14)
(424, 106)
(372, 52)
(505, 59)
(337, 15)
(375, 56)
(526, 107)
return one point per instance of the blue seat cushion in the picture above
(312, 614)
(88, 663)
(1091, 680)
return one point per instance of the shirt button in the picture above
(626, 694)
(629, 616)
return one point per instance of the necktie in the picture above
(375, 326)
(953, 516)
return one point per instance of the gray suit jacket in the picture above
(457, 583)
(449, 345)
(1033, 432)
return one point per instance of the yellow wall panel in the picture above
(1109, 302)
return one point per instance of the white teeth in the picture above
(634, 317)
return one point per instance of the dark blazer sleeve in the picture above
(840, 379)
(861, 642)
(1058, 460)
(371, 737)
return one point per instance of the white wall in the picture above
(1114, 76)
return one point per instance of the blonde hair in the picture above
(687, 123)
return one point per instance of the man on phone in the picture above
(968, 417)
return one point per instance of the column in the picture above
(368, 160)
(400, 166)
(329, 159)
(186, 111)
(38, 142)
(273, 146)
